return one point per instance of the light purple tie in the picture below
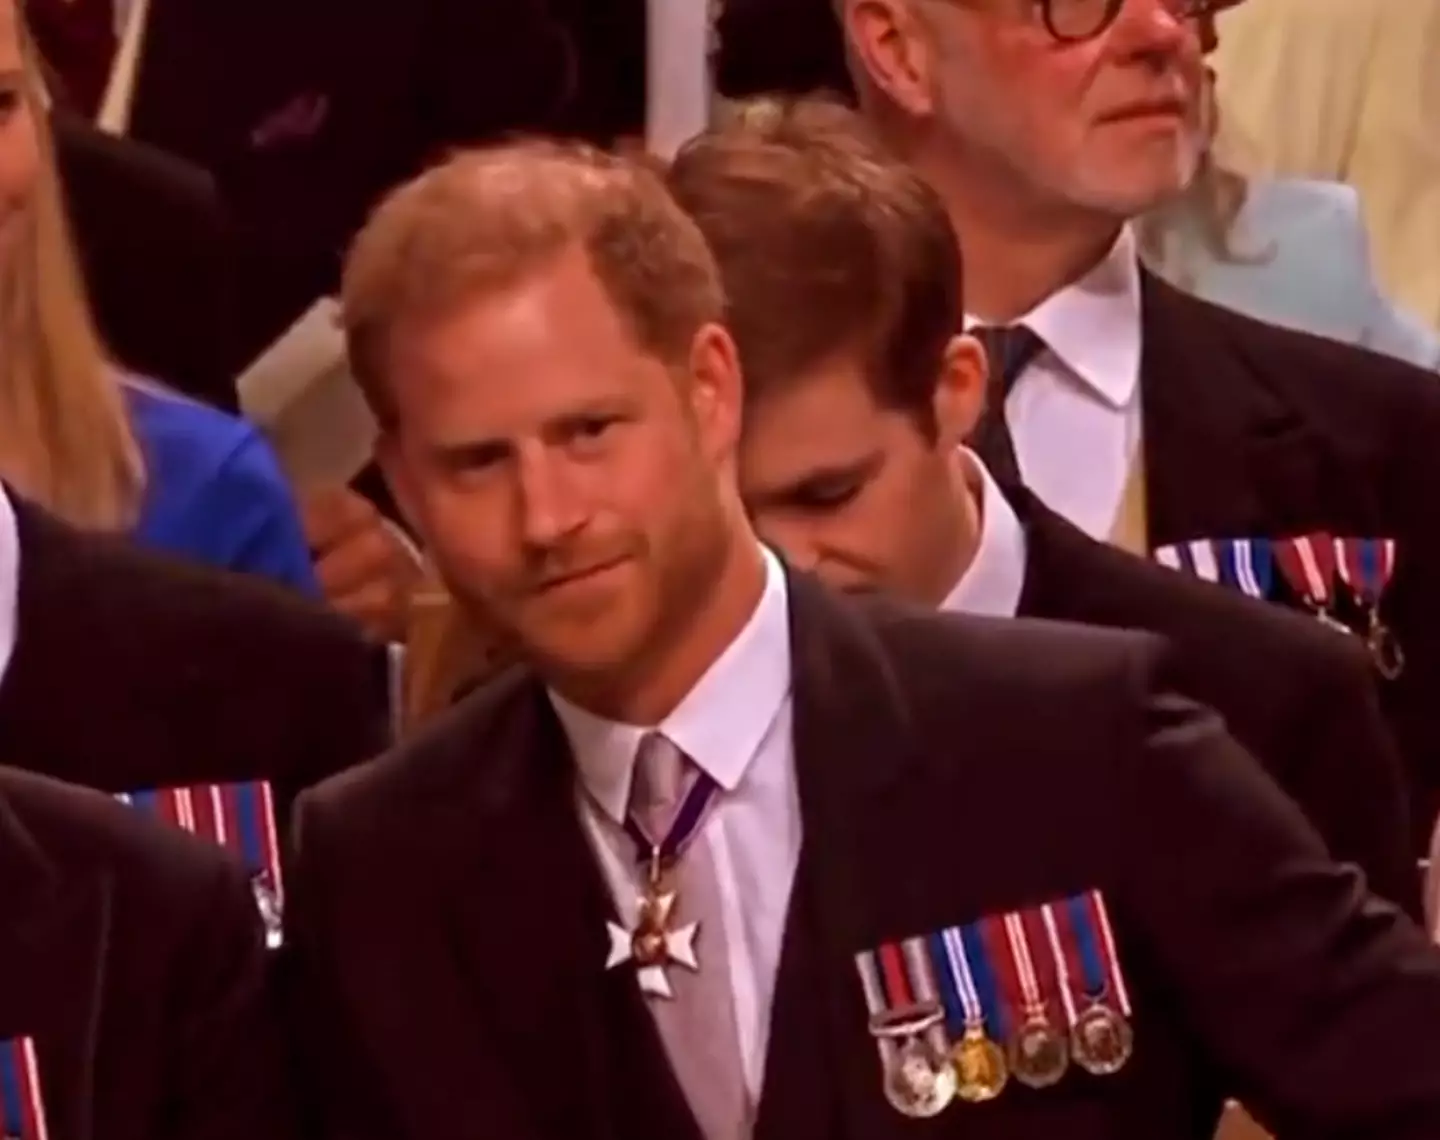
(697, 1025)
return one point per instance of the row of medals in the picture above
(921, 1079)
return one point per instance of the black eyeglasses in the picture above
(1071, 21)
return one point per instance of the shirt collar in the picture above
(721, 722)
(1092, 326)
(993, 582)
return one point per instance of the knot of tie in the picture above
(1010, 350)
(657, 784)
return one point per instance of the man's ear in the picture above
(960, 390)
(890, 51)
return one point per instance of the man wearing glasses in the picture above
(1156, 421)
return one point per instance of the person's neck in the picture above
(1017, 252)
(961, 528)
(650, 691)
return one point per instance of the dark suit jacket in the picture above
(307, 112)
(1255, 431)
(1298, 697)
(449, 916)
(132, 956)
(155, 251)
(130, 671)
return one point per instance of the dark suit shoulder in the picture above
(933, 652)
(455, 750)
(1344, 385)
(200, 675)
(104, 580)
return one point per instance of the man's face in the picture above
(859, 494)
(1109, 124)
(568, 485)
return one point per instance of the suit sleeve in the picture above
(230, 1079)
(1316, 1004)
(1350, 758)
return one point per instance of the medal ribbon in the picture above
(1084, 929)
(870, 983)
(22, 1112)
(693, 805)
(1062, 966)
(1195, 558)
(1095, 904)
(248, 817)
(894, 978)
(1308, 563)
(923, 985)
(1366, 566)
(958, 991)
(1024, 965)
(1246, 565)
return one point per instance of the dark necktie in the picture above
(1010, 351)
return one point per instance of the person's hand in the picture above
(366, 566)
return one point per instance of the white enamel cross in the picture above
(675, 946)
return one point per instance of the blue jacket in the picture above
(215, 493)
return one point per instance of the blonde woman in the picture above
(101, 449)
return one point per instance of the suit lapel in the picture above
(52, 953)
(1225, 455)
(853, 754)
(527, 847)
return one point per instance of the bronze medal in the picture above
(1039, 1054)
(980, 1069)
(1101, 1041)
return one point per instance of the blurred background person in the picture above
(101, 448)
(1289, 251)
(1349, 91)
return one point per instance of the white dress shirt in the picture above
(9, 580)
(736, 725)
(1074, 413)
(993, 582)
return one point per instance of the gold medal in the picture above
(1039, 1054)
(980, 1068)
(1101, 1041)
(919, 1080)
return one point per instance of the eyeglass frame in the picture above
(1188, 10)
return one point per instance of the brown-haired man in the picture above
(540, 331)
(857, 399)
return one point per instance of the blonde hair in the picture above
(66, 440)
(488, 218)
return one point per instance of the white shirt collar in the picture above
(993, 582)
(720, 724)
(1093, 325)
